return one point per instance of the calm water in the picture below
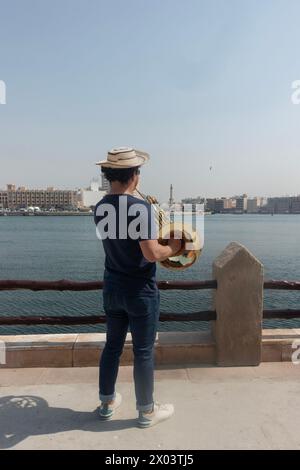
(53, 248)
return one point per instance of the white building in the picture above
(88, 198)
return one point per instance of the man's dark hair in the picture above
(122, 175)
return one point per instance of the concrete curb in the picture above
(180, 348)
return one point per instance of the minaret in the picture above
(171, 199)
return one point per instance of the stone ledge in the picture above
(82, 350)
(46, 341)
(277, 344)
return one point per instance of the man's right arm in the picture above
(153, 251)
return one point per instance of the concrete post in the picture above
(238, 301)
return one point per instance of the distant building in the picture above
(219, 205)
(229, 204)
(14, 199)
(252, 205)
(283, 205)
(278, 205)
(241, 203)
(3, 200)
(105, 184)
(295, 205)
(210, 204)
(193, 200)
(88, 198)
(262, 201)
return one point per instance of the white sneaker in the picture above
(160, 413)
(106, 410)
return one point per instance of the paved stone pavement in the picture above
(216, 408)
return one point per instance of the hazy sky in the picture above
(195, 83)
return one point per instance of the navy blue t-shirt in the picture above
(122, 222)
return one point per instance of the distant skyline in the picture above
(204, 86)
(194, 196)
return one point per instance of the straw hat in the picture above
(124, 157)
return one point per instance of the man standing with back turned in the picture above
(126, 226)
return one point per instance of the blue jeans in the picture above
(141, 314)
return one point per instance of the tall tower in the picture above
(171, 199)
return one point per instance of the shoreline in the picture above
(75, 213)
(46, 214)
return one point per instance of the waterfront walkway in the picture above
(216, 408)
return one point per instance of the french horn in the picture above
(191, 246)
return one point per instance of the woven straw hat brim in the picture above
(140, 159)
